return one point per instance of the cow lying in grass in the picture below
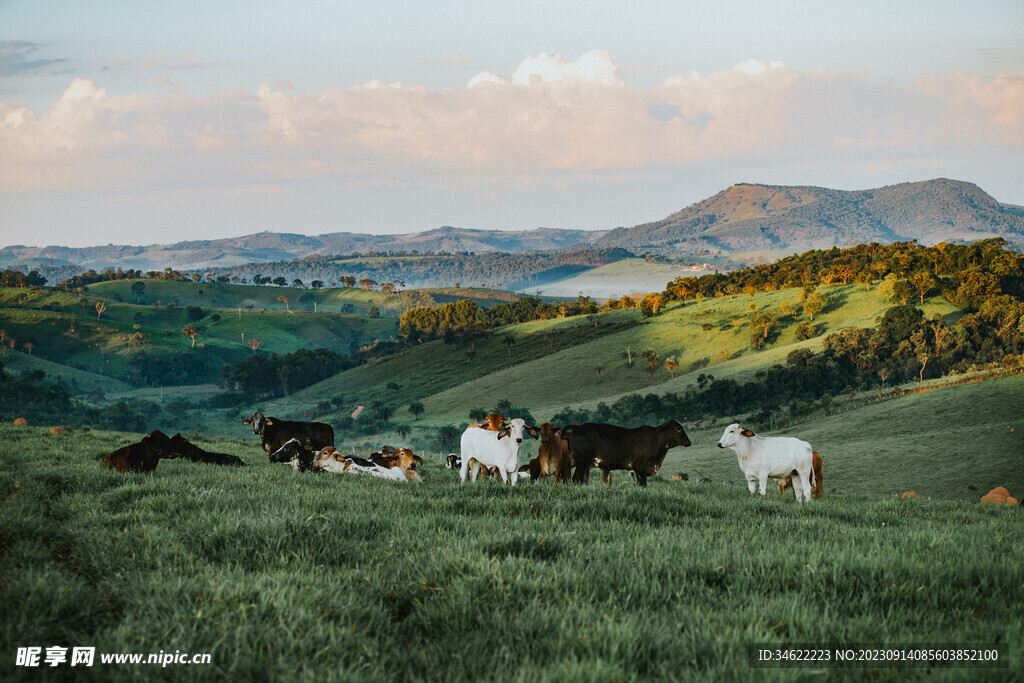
(143, 456)
(295, 454)
(402, 465)
(188, 450)
(761, 457)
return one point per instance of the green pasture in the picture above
(286, 576)
(553, 363)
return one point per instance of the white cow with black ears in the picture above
(762, 457)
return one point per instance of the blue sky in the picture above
(147, 122)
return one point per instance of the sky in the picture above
(152, 122)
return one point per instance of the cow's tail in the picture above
(815, 484)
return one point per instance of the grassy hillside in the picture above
(66, 329)
(552, 362)
(274, 572)
(241, 296)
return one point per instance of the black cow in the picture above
(297, 455)
(143, 456)
(274, 432)
(188, 450)
(609, 447)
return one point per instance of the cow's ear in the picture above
(747, 432)
(247, 421)
(504, 432)
(532, 431)
(268, 421)
(418, 459)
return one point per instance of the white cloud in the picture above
(548, 119)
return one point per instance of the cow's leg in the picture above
(474, 470)
(752, 482)
(805, 484)
(641, 478)
(606, 475)
(763, 481)
(507, 474)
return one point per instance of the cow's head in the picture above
(291, 450)
(157, 442)
(674, 435)
(548, 432)
(452, 461)
(258, 422)
(513, 429)
(406, 461)
(734, 436)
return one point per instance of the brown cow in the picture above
(142, 456)
(554, 455)
(395, 457)
(816, 488)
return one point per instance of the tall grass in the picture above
(283, 575)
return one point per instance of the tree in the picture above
(672, 365)
(191, 331)
(923, 282)
(509, 341)
(813, 304)
(707, 327)
(280, 281)
(416, 409)
(296, 282)
(652, 358)
(380, 411)
(100, 308)
(28, 346)
(254, 343)
(286, 301)
(599, 369)
(138, 289)
(316, 284)
(764, 322)
(478, 415)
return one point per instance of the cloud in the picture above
(447, 60)
(15, 58)
(551, 120)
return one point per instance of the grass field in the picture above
(286, 576)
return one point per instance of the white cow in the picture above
(404, 469)
(493, 449)
(762, 457)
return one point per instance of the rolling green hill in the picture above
(552, 363)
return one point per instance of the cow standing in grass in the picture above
(609, 447)
(484, 448)
(761, 457)
(275, 432)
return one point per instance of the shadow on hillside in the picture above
(836, 300)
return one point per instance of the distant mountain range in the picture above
(753, 218)
(740, 220)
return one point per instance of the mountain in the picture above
(735, 222)
(279, 246)
(748, 218)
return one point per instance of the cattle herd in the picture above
(491, 449)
